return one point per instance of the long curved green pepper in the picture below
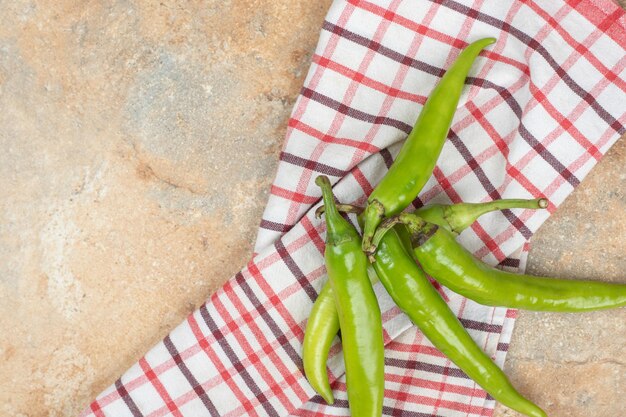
(323, 323)
(321, 328)
(443, 258)
(410, 289)
(417, 158)
(358, 311)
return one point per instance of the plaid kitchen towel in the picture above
(541, 107)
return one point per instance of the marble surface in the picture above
(138, 143)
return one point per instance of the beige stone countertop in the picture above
(138, 141)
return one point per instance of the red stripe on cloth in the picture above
(424, 400)
(95, 407)
(404, 382)
(362, 181)
(158, 386)
(293, 195)
(597, 11)
(505, 235)
(439, 288)
(415, 381)
(314, 234)
(317, 134)
(501, 145)
(367, 81)
(399, 346)
(446, 186)
(419, 28)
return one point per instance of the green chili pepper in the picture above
(453, 266)
(416, 160)
(358, 311)
(321, 328)
(323, 323)
(410, 289)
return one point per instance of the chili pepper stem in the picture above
(383, 228)
(373, 214)
(342, 208)
(338, 230)
(417, 227)
(461, 216)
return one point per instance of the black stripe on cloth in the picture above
(295, 270)
(383, 50)
(121, 389)
(277, 227)
(354, 113)
(312, 165)
(236, 362)
(510, 262)
(193, 382)
(480, 326)
(426, 367)
(387, 158)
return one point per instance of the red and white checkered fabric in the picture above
(541, 107)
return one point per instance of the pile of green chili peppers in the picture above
(402, 248)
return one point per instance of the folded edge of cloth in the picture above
(541, 107)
